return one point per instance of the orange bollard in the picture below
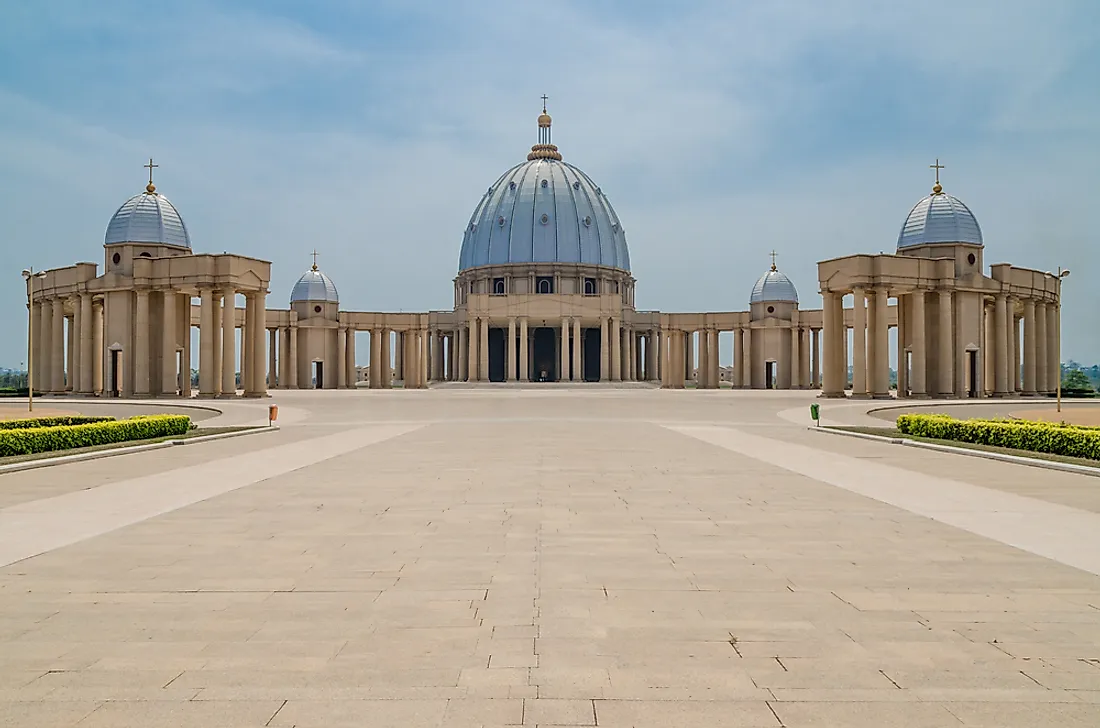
(272, 414)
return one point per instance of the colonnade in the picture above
(66, 344)
(678, 346)
(938, 355)
(218, 356)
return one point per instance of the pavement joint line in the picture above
(47, 462)
(1002, 457)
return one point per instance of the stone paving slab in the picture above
(544, 572)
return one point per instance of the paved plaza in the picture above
(547, 557)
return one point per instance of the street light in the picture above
(29, 275)
(1058, 307)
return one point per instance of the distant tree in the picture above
(1076, 381)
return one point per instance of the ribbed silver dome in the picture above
(774, 287)
(147, 218)
(939, 218)
(314, 286)
(544, 211)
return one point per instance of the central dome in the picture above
(147, 218)
(544, 210)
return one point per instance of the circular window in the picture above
(500, 220)
(971, 259)
(511, 185)
(587, 220)
(316, 309)
(771, 309)
(116, 258)
(545, 184)
(545, 218)
(576, 185)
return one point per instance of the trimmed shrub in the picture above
(1045, 437)
(50, 422)
(25, 441)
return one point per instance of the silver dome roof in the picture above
(544, 210)
(147, 218)
(939, 218)
(314, 286)
(774, 287)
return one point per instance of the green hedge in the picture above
(50, 422)
(1045, 437)
(66, 437)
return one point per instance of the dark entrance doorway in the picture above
(544, 355)
(497, 354)
(116, 373)
(769, 375)
(318, 375)
(972, 372)
(591, 352)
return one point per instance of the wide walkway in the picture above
(546, 557)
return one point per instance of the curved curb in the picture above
(66, 459)
(1013, 459)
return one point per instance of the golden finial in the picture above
(150, 188)
(544, 118)
(773, 254)
(315, 254)
(937, 188)
(544, 149)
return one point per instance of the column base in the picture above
(225, 395)
(832, 395)
(206, 395)
(919, 395)
(860, 395)
(882, 395)
(255, 395)
(1001, 395)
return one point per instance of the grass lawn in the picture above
(129, 443)
(894, 432)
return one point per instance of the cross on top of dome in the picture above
(544, 149)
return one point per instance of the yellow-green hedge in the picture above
(1046, 437)
(25, 441)
(50, 422)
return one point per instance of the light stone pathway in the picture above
(540, 570)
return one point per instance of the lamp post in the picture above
(29, 275)
(1058, 308)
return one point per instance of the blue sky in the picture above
(719, 130)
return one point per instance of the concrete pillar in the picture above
(881, 335)
(97, 347)
(614, 335)
(524, 358)
(687, 343)
(88, 353)
(256, 314)
(511, 355)
(746, 362)
(76, 363)
(43, 346)
(1054, 354)
(1030, 348)
(1042, 360)
(229, 345)
(605, 354)
(272, 359)
(702, 380)
(578, 351)
(918, 384)
(292, 360)
(57, 347)
(1000, 327)
(463, 354)
(341, 357)
(859, 345)
(247, 349)
(169, 365)
(439, 373)
(353, 378)
(471, 348)
(399, 356)
(483, 352)
(374, 375)
(424, 354)
(206, 343)
(796, 358)
(833, 346)
(216, 317)
(1014, 342)
(563, 372)
(946, 373)
(141, 344)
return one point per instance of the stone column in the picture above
(578, 350)
(1054, 354)
(353, 378)
(438, 348)
(87, 348)
(374, 374)
(256, 314)
(746, 364)
(614, 336)
(424, 353)
(919, 376)
(141, 344)
(292, 359)
(989, 349)
(687, 345)
(796, 358)
(206, 343)
(272, 359)
(563, 373)
(75, 362)
(483, 352)
(859, 344)
(247, 349)
(169, 367)
(341, 357)
(462, 356)
(511, 360)
(1042, 381)
(882, 345)
(832, 346)
(1015, 343)
(605, 353)
(216, 317)
(228, 387)
(284, 357)
(946, 373)
(97, 348)
(57, 347)
(703, 379)
(1000, 326)
(43, 345)
(471, 340)
(524, 368)
(1030, 348)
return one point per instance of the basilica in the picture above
(543, 293)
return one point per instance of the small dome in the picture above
(939, 218)
(147, 218)
(774, 287)
(314, 286)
